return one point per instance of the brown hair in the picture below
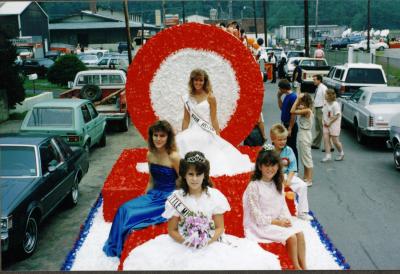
(269, 158)
(201, 167)
(199, 73)
(330, 95)
(306, 100)
(162, 126)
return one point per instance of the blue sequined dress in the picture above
(142, 211)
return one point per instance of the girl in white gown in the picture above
(179, 250)
(201, 129)
(265, 212)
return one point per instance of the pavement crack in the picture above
(350, 212)
(368, 255)
(369, 197)
(337, 194)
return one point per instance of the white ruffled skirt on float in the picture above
(224, 158)
(163, 253)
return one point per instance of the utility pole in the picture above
(306, 32)
(316, 16)
(128, 32)
(368, 25)
(265, 23)
(183, 12)
(142, 29)
(255, 18)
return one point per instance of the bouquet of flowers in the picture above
(196, 230)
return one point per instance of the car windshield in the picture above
(385, 98)
(51, 117)
(367, 76)
(17, 161)
(295, 54)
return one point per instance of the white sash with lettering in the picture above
(176, 203)
(200, 121)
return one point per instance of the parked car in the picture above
(75, 120)
(123, 46)
(394, 139)
(310, 67)
(106, 88)
(370, 109)
(38, 66)
(40, 172)
(377, 45)
(295, 53)
(53, 54)
(115, 62)
(88, 59)
(348, 78)
(344, 42)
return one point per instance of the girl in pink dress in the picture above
(266, 215)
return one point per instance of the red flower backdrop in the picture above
(197, 37)
(125, 183)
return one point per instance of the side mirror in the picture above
(51, 168)
(70, 84)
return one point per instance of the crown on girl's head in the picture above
(268, 147)
(196, 158)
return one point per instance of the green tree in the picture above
(65, 69)
(9, 77)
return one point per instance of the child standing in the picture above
(196, 237)
(266, 215)
(303, 108)
(331, 120)
(278, 136)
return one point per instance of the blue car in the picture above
(37, 173)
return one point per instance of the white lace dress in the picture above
(163, 253)
(224, 158)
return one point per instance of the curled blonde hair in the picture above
(196, 74)
(330, 95)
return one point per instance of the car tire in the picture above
(73, 196)
(90, 92)
(361, 138)
(86, 147)
(30, 237)
(396, 156)
(123, 124)
(103, 139)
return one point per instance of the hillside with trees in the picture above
(352, 13)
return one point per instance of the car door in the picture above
(67, 164)
(97, 121)
(54, 174)
(89, 124)
(350, 109)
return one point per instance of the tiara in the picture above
(196, 158)
(268, 147)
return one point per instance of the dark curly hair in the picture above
(269, 158)
(162, 126)
(201, 167)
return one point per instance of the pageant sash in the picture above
(176, 203)
(200, 121)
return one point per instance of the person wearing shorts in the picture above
(331, 126)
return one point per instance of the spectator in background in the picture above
(288, 119)
(257, 136)
(296, 78)
(281, 68)
(319, 53)
(272, 60)
(234, 29)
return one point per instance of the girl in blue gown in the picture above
(146, 210)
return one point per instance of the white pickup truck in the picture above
(106, 89)
(310, 67)
(348, 78)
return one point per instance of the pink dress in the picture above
(261, 204)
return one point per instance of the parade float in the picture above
(157, 79)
